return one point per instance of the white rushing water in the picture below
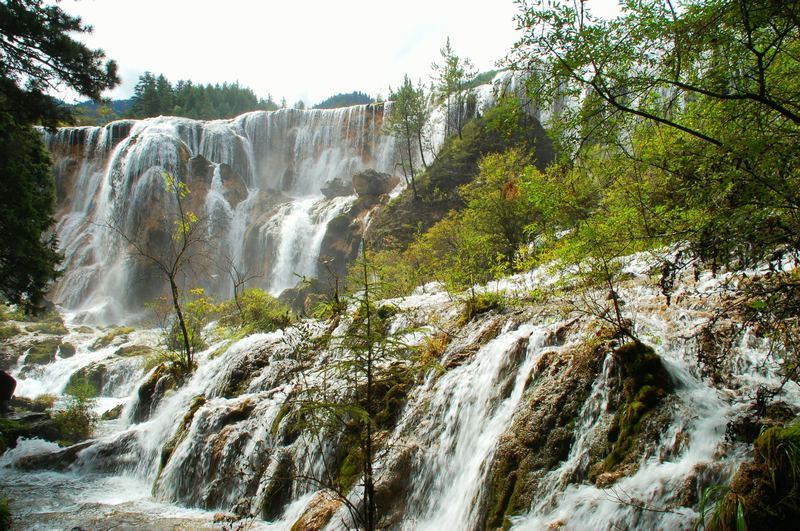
(230, 454)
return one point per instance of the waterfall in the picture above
(226, 448)
(254, 181)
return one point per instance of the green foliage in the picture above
(701, 104)
(452, 88)
(255, 311)
(501, 128)
(155, 96)
(408, 116)
(37, 52)
(77, 421)
(27, 200)
(764, 493)
(344, 100)
(197, 309)
(5, 514)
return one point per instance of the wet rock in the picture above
(372, 183)
(541, 435)
(32, 425)
(152, 391)
(66, 350)
(58, 460)
(233, 185)
(201, 169)
(113, 413)
(393, 483)
(278, 492)
(319, 512)
(7, 386)
(337, 188)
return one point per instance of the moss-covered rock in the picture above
(645, 382)
(51, 328)
(120, 332)
(541, 434)
(130, 351)
(88, 381)
(765, 492)
(42, 351)
(66, 350)
(113, 413)
(8, 331)
(166, 452)
(152, 391)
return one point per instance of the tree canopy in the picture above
(156, 96)
(38, 54)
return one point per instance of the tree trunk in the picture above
(187, 346)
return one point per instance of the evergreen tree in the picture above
(37, 53)
(406, 121)
(451, 84)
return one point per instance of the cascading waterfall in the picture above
(227, 449)
(254, 180)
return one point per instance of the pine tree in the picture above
(37, 53)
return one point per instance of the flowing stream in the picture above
(229, 455)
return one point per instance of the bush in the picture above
(77, 421)
(256, 311)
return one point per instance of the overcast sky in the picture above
(302, 49)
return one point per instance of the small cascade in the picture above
(469, 409)
(301, 227)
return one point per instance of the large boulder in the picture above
(7, 386)
(336, 188)
(373, 183)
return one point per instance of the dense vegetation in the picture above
(155, 96)
(344, 100)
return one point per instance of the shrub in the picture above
(76, 422)
(256, 311)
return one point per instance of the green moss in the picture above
(133, 350)
(110, 336)
(88, 380)
(8, 331)
(350, 470)
(42, 352)
(645, 383)
(765, 492)
(5, 514)
(52, 328)
(481, 303)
